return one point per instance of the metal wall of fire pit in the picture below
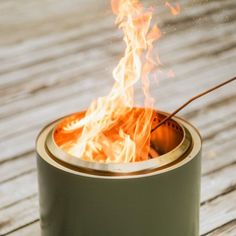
(161, 201)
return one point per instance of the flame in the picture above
(170, 74)
(113, 130)
(175, 10)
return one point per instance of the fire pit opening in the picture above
(168, 145)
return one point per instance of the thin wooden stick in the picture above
(192, 99)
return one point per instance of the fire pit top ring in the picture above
(174, 144)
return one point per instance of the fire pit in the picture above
(109, 171)
(158, 196)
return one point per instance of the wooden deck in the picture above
(56, 56)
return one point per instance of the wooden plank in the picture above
(226, 230)
(18, 145)
(17, 167)
(86, 28)
(218, 212)
(59, 59)
(184, 89)
(108, 44)
(59, 50)
(34, 229)
(72, 9)
(220, 155)
(33, 95)
(218, 182)
(35, 86)
(29, 230)
(53, 18)
(19, 215)
(18, 189)
(37, 97)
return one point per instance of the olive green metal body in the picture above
(164, 202)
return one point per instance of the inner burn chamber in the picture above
(170, 143)
(159, 196)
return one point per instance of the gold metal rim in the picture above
(120, 168)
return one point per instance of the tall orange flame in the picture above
(112, 129)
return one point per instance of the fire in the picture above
(174, 10)
(113, 130)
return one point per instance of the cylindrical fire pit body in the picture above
(162, 201)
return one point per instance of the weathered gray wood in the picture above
(20, 188)
(218, 182)
(218, 212)
(194, 9)
(218, 156)
(15, 168)
(22, 143)
(183, 51)
(226, 230)
(95, 49)
(34, 229)
(53, 18)
(80, 84)
(18, 215)
(29, 230)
